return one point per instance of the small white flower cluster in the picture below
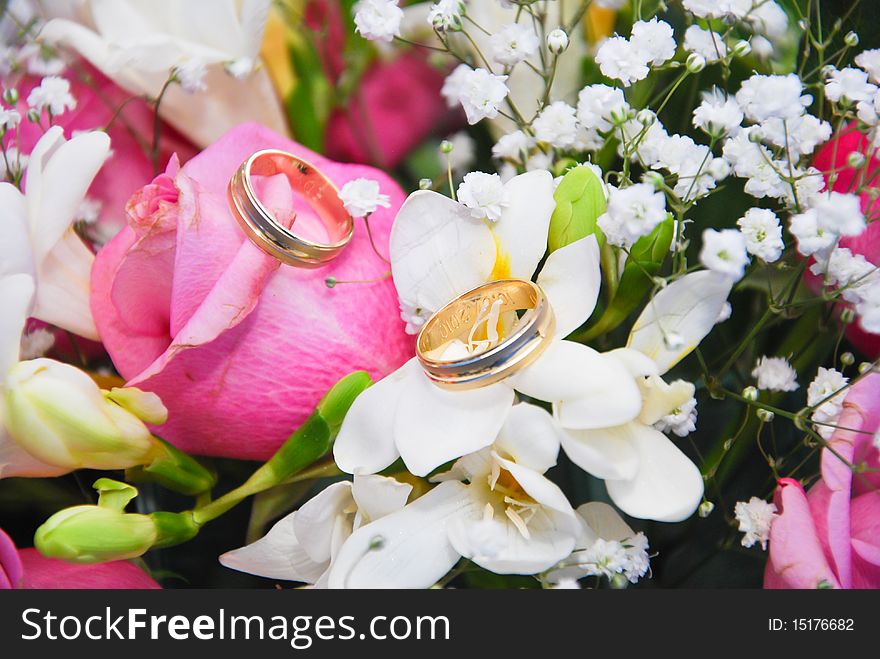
(513, 44)
(478, 91)
(775, 374)
(378, 20)
(682, 421)
(484, 194)
(632, 212)
(52, 95)
(361, 197)
(826, 394)
(755, 518)
(608, 558)
(19, 51)
(651, 44)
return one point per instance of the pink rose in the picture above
(28, 568)
(831, 534)
(833, 156)
(129, 166)
(396, 103)
(239, 347)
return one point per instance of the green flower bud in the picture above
(58, 415)
(851, 39)
(696, 63)
(95, 534)
(10, 96)
(750, 393)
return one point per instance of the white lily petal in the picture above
(16, 295)
(377, 496)
(316, 519)
(521, 233)
(365, 443)
(668, 486)
(604, 521)
(538, 487)
(406, 549)
(679, 317)
(63, 287)
(638, 364)
(569, 371)
(59, 174)
(589, 389)
(571, 279)
(277, 555)
(530, 437)
(16, 256)
(438, 251)
(497, 545)
(603, 452)
(435, 425)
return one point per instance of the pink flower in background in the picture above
(833, 156)
(129, 166)
(27, 568)
(831, 534)
(239, 347)
(395, 106)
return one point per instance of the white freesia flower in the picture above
(35, 227)
(362, 197)
(507, 516)
(439, 251)
(647, 476)
(138, 44)
(303, 545)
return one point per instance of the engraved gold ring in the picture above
(266, 232)
(529, 338)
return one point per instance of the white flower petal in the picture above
(537, 486)
(638, 364)
(365, 443)
(438, 251)
(603, 452)
(317, 518)
(569, 371)
(435, 425)
(530, 437)
(59, 174)
(277, 555)
(406, 549)
(64, 281)
(571, 279)
(685, 312)
(661, 398)
(668, 486)
(16, 294)
(377, 496)
(521, 233)
(15, 247)
(498, 545)
(604, 521)
(15, 461)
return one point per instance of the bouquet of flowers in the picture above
(473, 294)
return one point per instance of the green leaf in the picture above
(308, 105)
(644, 261)
(580, 200)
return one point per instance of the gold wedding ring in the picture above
(529, 339)
(266, 232)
